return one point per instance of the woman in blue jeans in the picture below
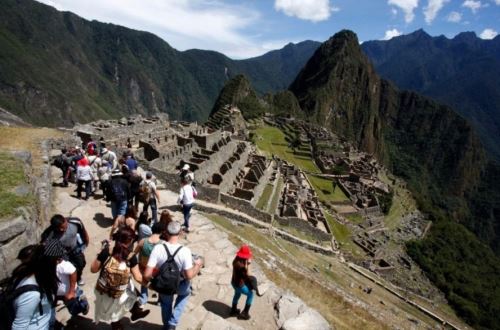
(242, 282)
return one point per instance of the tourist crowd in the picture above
(143, 252)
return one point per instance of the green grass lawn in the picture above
(264, 198)
(11, 176)
(355, 218)
(324, 189)
(271, 140)
(343, 235)
(277, 195)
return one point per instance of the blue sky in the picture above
(242, 29)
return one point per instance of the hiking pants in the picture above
(88, 188)
(154, 210)
(169, 316)
(186, 211)
(238, 291)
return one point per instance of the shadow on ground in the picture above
(218, 308)
(79, 322)
(103, 221)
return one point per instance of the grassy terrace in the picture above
(11, 176)
(264, 198)
(271, 140)
(324, 189)
(333, 307)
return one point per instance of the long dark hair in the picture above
(143, 219)
(123, 238)
(240, 271)
(44, 269)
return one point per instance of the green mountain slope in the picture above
(461, 72)
(430, 146)
(57, 69)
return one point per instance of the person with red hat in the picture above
(242, 282)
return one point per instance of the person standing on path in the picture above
(109, 159)
(114, 291)
(68, 231)
(84, 177)
(241, 282)
(186, 198)
(188, 267)
(117, 192)
(144, 249)
(33, 307)
(154, 197)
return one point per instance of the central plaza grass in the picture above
(324, 189)
(271, 140)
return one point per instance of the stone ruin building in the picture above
(299, 204)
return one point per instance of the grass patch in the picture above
(276, 196)
(11, 176)
(324, 189)
(355, 218)
(271, 140)
(343, 236)
(264, 198)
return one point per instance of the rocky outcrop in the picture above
(293, 314)
(238, 93)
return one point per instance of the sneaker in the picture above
(81, 282)
(86, 310)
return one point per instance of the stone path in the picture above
(209, 307)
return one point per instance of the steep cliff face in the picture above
(461, 72)
(420, 140)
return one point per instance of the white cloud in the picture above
(454, 17)
(432, 9)
(389, 34)
(184, 24)
(407, 6)
(488, 34)
(473, 5)
(497, 2)
(309, 10)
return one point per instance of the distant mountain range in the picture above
(462, 72)
(57, 69)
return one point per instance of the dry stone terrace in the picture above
(231, 172)
(227, 167)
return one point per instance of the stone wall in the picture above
(25, 229)
(229, 177)
(245, 207)
(303, 226)
(206, 192)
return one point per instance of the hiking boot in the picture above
(244, 315)
(137, 312)
(234, 311)
(87, 306)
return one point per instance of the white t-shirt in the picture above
(183, 258)
(64, 270)
(186, 195)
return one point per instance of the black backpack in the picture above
(7, 298)
(58, 161)
(115, 191)
(169, 277)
